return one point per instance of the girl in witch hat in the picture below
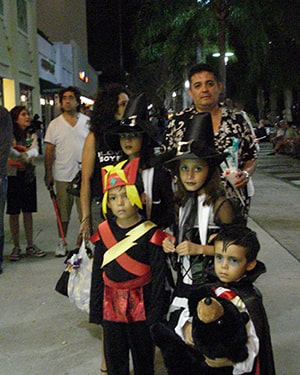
(203, 209)
(137, 138)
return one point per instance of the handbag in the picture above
(80, 276)
(73, 187)
(62, 283)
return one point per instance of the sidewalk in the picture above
(41, 332)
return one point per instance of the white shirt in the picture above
(68, 141)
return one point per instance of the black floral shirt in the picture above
(233, 125)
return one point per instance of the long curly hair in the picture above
(105, 108)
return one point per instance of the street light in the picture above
(227, 55)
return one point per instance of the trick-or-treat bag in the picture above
(79, 284)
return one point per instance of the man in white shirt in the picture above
(64, 141)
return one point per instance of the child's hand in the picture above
(218, 362)
(188, 248)
(168, 244)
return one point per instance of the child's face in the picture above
(193, 173)
(121, 206)
(231, 265)
(131, 144)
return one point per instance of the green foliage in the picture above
(264, 38)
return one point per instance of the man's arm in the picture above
(48, 161)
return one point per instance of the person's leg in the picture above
(14, 229)
(15, 234)
(65, 203)
(142, 355)
(116, 348)
(3, 192)
(27, 221)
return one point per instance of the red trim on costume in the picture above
(107, 235)
(158, 237)
(129, 264)
(95, 236)
(257, 366)
(129, 284)
(133, 266)
(227, 294)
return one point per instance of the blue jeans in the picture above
(3, 193)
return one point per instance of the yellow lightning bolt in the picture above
(128, 242)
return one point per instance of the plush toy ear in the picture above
(209, 310)
(196, 296)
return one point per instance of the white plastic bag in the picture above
(79, 284)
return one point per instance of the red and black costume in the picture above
(128, 294)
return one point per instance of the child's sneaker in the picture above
(15, 254)
(35, 251)
(61, 250)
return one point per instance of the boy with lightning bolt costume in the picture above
(128, 291)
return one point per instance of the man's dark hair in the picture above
(202, 67)
(241, 236)
(75, 91)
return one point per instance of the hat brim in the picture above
(216, 157)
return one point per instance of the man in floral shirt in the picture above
(204, 90)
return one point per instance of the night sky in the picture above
(103, 25)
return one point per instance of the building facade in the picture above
(33, 66)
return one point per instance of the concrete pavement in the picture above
(41, 332)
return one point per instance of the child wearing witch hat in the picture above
(203, 210)
(137, 138)
(129, 273)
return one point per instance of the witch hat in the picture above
(198, 141)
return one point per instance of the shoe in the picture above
(35, 251)
(61, 250)
(271, 153)
(15, 254)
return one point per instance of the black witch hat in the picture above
(198, 141)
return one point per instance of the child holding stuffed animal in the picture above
(204, 208)
(129, 273)
(236, 268)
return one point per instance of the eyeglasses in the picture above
(130, 135)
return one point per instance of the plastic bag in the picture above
(79, 285)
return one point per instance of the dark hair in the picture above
(14, 113)
(242, 236)
(198, 68)
(105, 108)
(75, 91)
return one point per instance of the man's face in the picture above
(204, 91)
(69, 102)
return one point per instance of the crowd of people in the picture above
(164, 223)
(286, 140)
